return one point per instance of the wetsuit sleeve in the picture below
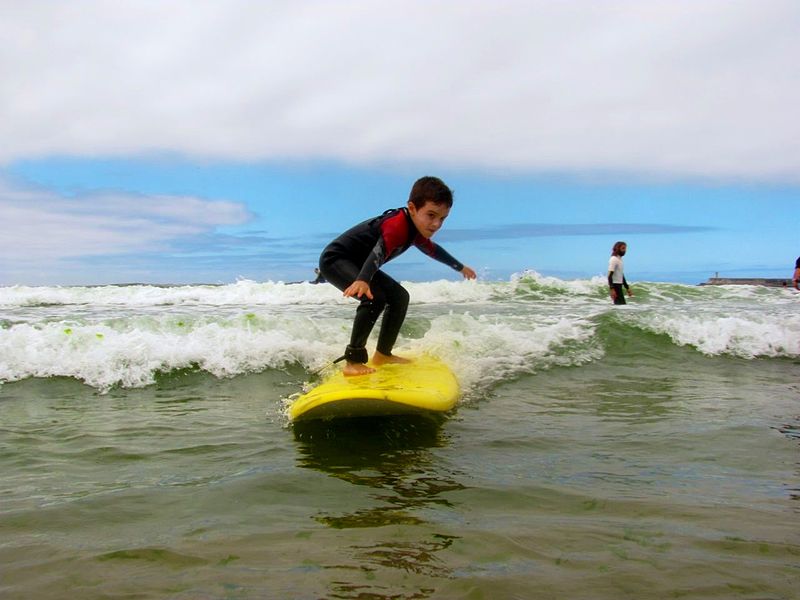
(436, 252)
(375, 259)
(611, 279)
(393, 235)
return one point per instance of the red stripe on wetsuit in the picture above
(397, 234)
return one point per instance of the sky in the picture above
(204, 142)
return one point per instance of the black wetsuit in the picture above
(358, 254)
(619, 297)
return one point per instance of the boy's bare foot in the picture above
(379, 358)
(352, 369)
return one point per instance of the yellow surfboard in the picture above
(426, 385)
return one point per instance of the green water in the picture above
(655, 472)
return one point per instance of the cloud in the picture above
(665, 88)
(113, 237)
(39, 227)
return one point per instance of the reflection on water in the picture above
(390, 454)
(792, 431)
(393, 456)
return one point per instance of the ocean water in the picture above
(598, 452)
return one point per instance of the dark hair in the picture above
(430, 189)
(616, 248)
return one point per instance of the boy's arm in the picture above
(393, 233)
(443, 256)
(358, 288)
(468, 273)
(436, 252)
(373, 262)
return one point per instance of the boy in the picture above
(616, 273)
(352, 261)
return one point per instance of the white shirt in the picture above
(616, 266)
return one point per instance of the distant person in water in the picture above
(352, 263)
(796, 276)
(318, 276)
(616, 274)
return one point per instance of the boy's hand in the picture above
(358, 288)
(468, 273)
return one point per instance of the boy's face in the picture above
(429, 218)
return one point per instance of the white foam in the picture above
(487, 331)
(131, 351)
(744, 336)
(572, 286)
(243, 292)
(485, 349)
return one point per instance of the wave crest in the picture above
(488, 331)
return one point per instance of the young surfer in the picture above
(352, 263)
(616, 273)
